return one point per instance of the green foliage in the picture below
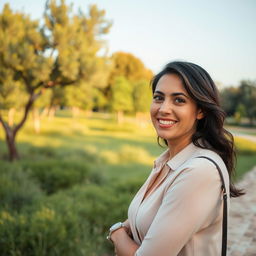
(240, 101)
(229, 100)
(42, 232)
(129, 66)
(74, 222)
(74, 40)
(21, 43)
(240, 112)
(79, 96)
(62, 51)
(14, 192)
(142, 96)
(54, 175)
(121, 92)
(248, 98)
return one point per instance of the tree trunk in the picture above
(120, 117)
(88, 113)
(52, 112)
(45, 112)
(75, 112)
(11, 132)
(141, 119)
(10, 140)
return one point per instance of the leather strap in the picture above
(225, 215)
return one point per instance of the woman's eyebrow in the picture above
(173, 94)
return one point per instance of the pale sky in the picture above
(219, 35)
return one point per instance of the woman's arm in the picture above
(124, 245)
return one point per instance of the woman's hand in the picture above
(124, 245)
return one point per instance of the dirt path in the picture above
(242, 219)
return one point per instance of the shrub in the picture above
(54, 175)
(17, 188)
(127, 154)
(71, 222)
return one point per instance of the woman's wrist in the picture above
(119, 233)
(116, 227)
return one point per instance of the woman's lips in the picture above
(164, 123)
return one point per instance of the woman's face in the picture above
(173, 112)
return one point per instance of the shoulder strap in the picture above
(225, 217)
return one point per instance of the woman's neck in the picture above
(175, 148)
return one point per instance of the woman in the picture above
(179, 209)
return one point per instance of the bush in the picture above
(127, 154)
(17, 188)
(71, 222)
(55, 175)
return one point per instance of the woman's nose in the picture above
(166, 107)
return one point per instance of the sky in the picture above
(219, 35)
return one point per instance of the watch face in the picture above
(115, 226)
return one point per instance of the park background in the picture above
(75, 135)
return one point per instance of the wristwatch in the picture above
(113, 228)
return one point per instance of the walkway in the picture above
(242, 219)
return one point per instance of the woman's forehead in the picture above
(170, 82)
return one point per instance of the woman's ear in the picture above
(200, 114)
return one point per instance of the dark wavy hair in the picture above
(210, 132)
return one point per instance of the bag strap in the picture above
(225, 216)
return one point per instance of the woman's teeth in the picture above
(166, 122)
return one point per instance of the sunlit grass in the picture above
(130, 144)
(245, 146)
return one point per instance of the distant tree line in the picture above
(240, 102)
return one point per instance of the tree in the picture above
(240, 113)
(88, 95)
(230, 99)
(79, 97)
(61, 52)
(142, 96)
(129, 66)
(247, 95)
(121, 93)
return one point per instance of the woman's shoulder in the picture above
(207, 157)
(199, 167)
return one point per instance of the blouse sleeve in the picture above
(188, 204)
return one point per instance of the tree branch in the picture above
(28, 106)
(5, 125)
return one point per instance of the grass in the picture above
(124, 150)
(70, 175)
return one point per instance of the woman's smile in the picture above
(166, 123)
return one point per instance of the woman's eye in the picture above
(180, 100)
(157, 97)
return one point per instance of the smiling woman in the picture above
(181, 209)
(174, 113)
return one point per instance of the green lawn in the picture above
(126, 149)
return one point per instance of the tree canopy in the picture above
(33, 57)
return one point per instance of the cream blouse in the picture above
(183, 214)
